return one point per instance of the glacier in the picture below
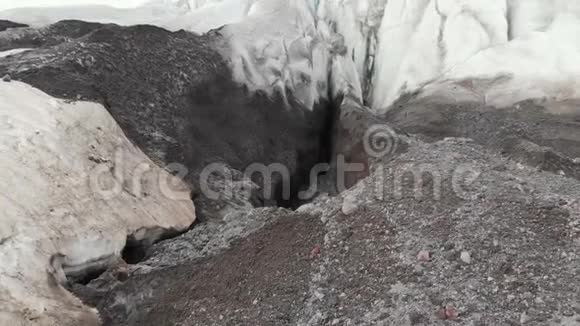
(461, 40)
(494, 52)
(389, 48)
(366, 53)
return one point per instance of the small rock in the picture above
(98, 160)
(500, 167)
(7, 78)
(305, 208)
(465, 257)
(349, 205)
(122, 274)
(332, 300)
(451, 312)
(309, 209)
(335, 321)
(424, 256)
(449, 246)
(441, 314)
(568, 313)
(447, 312)
(315, 253)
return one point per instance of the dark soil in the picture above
(528, 131)
(262, 280)
(6, 24)
(174, 97)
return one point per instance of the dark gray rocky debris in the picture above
(7, 78)
(488, 237)
(521, 228)
(541, 133)
(262, 279)
(6, 24)
(173, 95)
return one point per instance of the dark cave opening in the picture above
(134, 252)
(304, 178)
(88, 276)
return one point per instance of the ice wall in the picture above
(72, 188)
(426, 42)
(395, 46)
(404, 46)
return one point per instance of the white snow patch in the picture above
(194, 15)
(52, 206)
(4, 54)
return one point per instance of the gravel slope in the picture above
(501, 248)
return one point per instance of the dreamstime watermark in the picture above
(110, 178)
(420, 180)
(379, 142)
(122, 174)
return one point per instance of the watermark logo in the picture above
(380, 141)
(271, 182)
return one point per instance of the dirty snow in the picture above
(12, 52)
(71, 185)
